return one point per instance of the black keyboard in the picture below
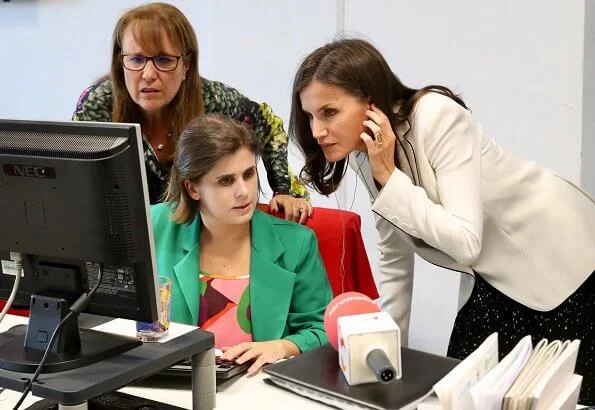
(224, 368)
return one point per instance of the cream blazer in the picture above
(461, 202)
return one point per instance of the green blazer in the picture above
(289, 289)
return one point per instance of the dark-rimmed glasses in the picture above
(137, 62)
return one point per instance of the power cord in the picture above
(17, 259)
(76, 308)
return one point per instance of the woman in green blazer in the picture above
(256, 281)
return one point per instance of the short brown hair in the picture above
(148, 23)
(204, 141)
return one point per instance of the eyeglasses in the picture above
(137, 62)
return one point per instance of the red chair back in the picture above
(342, 250)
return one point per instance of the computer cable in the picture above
(77, 307)
(17, 259)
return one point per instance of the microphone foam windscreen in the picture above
(346, 304)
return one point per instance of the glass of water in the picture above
(153, 331)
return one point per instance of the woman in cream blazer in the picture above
(522, 237)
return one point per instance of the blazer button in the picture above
(384, 210)
(395, 219)
(414, 232)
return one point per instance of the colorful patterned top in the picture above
(95, 104)
(224, 308)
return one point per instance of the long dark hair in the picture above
(359, 69)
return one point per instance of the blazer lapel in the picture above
(360, 163)
(406, 159)
(271, 286)
(186, 272)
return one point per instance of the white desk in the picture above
(242, 392)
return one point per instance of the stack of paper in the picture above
(527, 378)
(488, 393)
(548, 376)
(453, 390)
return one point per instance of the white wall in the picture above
(588, 148)
(519, 66)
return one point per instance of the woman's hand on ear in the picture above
(381, 149)
(296, 209)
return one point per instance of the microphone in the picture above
(368, 340)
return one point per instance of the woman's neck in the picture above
(223, 236)
(225, 249)
(156, 124)
(157, 129)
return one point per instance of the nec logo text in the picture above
(29, 171)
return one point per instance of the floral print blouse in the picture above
(95, 104)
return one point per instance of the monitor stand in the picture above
(72, 349)
(73, 387)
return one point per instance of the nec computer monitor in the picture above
(74, 199)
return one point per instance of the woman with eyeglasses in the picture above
(155, 81)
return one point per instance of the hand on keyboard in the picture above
(224, 369)
(261, 353)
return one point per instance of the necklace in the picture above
(161, 146)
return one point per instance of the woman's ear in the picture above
(192, 190)
(185, 69)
